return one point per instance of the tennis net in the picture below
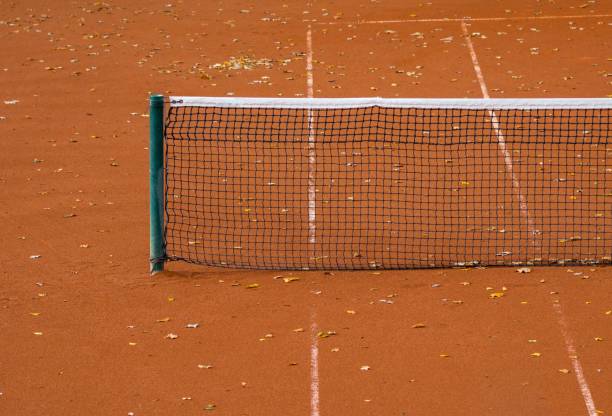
(371, 183)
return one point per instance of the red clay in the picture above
(73, 180)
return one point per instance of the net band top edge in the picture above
(422, 103)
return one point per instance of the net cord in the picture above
(431, 103)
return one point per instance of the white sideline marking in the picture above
(571, 352)
(466, 19)
(314, 369)
(312, 195)
(500, 138)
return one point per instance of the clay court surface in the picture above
(86, 331)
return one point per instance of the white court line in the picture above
(312, 238)
(465, 19)
(314, 369)
(501, 141)
(571, 351)
(312, 195)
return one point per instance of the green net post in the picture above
(156, 183)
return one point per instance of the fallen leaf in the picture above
(496, 295)
(166, 319)
(419, 325)
(290, 279)
(210, 406)
(564, 370)
(524, 270)
(252, 286)
(193, 326)
(365, 368)
(535, 354)
(171, 336)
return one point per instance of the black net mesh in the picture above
(366, 188)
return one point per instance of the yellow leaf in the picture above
(290, 279)
(598, 339)
(444, 356)
(570, 239)
(34, 313)
(535, 354)
(252, 286)
(419, 325)
(351, 312)
(496, 295)
(37, 333)
(564, 370)
(166, 319)
(131, 344)
(170, 298)
(325, 334)
(298, 330)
